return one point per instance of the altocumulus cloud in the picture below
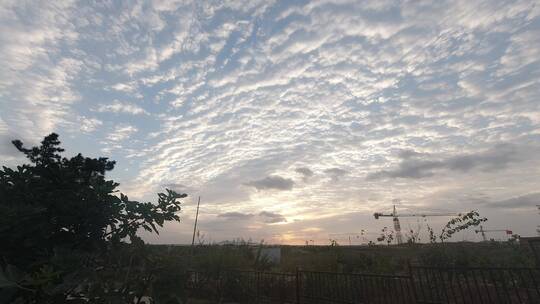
(217, 95)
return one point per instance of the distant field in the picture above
(420, 273)
(373, 259)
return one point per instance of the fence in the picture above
(329, 287)
(244, 286)
(476, 285)
(420, 285)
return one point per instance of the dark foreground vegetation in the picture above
(68, 236)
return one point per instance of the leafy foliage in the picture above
(432, 236)
(386, 235)
(64, 226)
(461, 222)
(413, 236)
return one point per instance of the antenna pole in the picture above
(483, 233)
(195, 226)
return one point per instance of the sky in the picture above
(293, 120)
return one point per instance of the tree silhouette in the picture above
(60, 215)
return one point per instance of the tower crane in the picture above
(396, 216)
(483, 232)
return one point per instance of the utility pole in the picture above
(482, 232)
(538, 227)
(195, 226)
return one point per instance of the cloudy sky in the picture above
(291, 119)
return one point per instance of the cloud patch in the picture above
(273, 182)
(122, 107)
(122, 132)
(272, 217)
(335, 173)
(89, 124)
(235, 215)
(416, 165)
(178, 187)
(519, 202)
(306, 173)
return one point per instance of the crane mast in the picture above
(397, 227)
